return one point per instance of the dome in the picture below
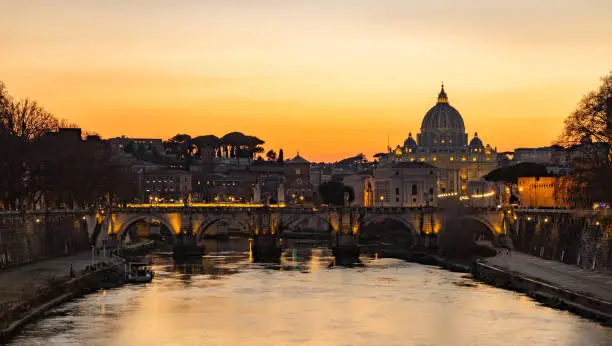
(443, 116)
(410, 142)
(476, 142)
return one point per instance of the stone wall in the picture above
(29, 237)
(566, 238)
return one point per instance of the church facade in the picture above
(443, 143)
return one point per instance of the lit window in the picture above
(463, 158)
(474, 158)
(422, 159)
(435, 158)
(452, 158)
(297, 171)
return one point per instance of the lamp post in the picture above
(382, 201)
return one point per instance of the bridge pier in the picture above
(346, 250)
(266, 248)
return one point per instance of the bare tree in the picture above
(588, 138)
(28, 120)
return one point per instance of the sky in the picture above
(327, 78)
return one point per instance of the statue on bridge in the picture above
(256, 192)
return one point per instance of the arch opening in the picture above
(222, 227)
(311, 224)
(146, 228)
(387, 231)
(467, 236)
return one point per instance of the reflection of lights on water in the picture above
(251, 250)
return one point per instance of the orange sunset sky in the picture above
(329, 78)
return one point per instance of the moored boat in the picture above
(138, 273)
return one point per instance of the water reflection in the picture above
(224, 299)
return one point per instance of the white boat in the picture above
(138, 273)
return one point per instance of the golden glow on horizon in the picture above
(290, 72)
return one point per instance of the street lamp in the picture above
(382, 201)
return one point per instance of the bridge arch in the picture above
(222, 219)
(123, 228)
(370, 220)
(293, 224)
(388, 230)
(460, 234)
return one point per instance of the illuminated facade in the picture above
(400, 184)
(542, 192)
(443, 143)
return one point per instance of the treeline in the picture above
(39, 165)
(231, 145)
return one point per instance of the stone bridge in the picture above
(571, 236)
(253, 221)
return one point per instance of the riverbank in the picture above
(26, 293)
(554, 284)
(557, 285)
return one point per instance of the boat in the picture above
(138, 273)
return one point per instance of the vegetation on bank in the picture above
(37, 165)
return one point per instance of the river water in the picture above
(227, 300)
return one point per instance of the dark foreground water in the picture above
(226, 300)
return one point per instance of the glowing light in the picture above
(463, 198)
(484, 195)
(448, 194)
(597, 223)
(546, 220)
(37, 220)
(84, 218)
(204, 205)
(528, 218)
(521, 188)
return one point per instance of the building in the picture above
(443, 143)
(362, 185)
(320, 174)
(166, 185)
(543, 192)
(552, 155)
(298, 186)
(400, 184)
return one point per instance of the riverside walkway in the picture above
(560, 275)
(24, 281)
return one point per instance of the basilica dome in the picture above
(442, 126)
(443, 116)
(410, 142)
(476, 142)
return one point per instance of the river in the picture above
(227, 300)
